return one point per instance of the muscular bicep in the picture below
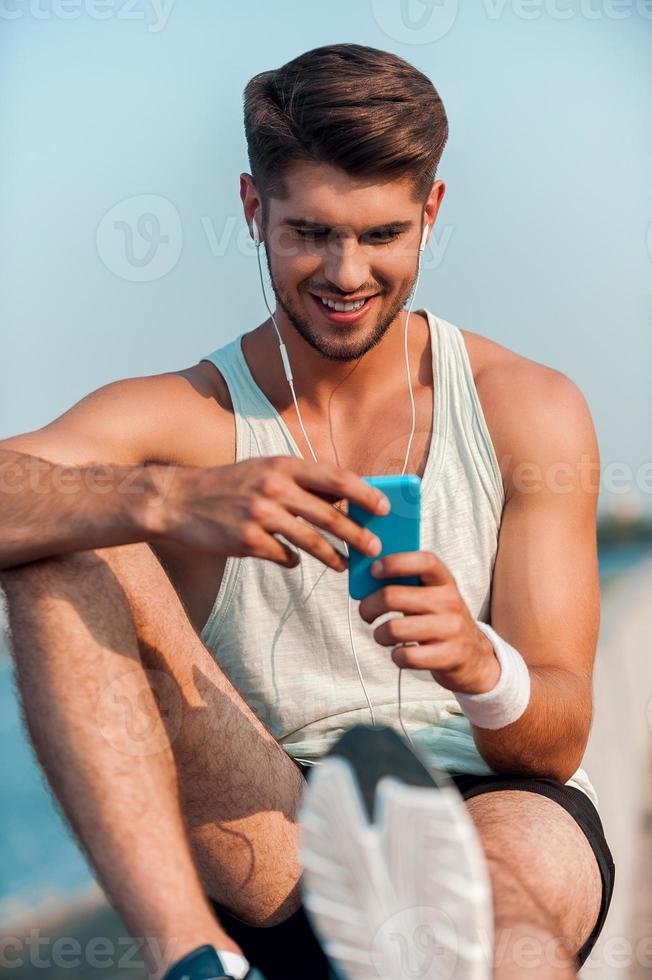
(545, 591)
(121, 424)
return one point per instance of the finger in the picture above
(290, 557)
(440, 656)
(341, 484)
(415, 629)
(324, 515)
(408, 599)
(428, 566)
(305, 537)
(266, 546)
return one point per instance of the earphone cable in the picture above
(288, 374)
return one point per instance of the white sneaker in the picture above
(395, 881)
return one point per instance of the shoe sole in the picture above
(395, 882)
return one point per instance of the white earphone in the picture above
(288, 374)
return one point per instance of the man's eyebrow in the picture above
(397, 226)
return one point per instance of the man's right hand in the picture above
(237, 509)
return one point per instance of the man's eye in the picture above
(375, 237)
(382, 237)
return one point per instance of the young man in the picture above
(194, 579)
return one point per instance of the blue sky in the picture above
(543, 242)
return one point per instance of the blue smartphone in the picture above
(398, 531)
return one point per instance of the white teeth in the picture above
(342, 307)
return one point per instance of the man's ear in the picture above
(433, 203)
(251, 204)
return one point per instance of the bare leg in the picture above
(173, 786)
(531, 951)
(545, 882)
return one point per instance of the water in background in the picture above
(40, 865)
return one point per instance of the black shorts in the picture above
(291, 951)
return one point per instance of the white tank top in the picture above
(282, 635)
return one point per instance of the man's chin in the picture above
(341, 337)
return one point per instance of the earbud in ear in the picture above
(424, 238)
(254, 232)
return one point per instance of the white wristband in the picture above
(507, 701)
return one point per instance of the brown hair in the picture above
(364, 110)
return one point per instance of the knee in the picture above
(53, 565)
(74, 565)
(49, 590)
(38, 577)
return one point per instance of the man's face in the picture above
(342, 255)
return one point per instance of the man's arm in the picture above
(55, 499)
(545, 597)
(80, 482)
(48, 509)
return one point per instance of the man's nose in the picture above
(346, 266)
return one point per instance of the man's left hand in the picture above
(458, 654)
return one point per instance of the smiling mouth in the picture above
(343, 306)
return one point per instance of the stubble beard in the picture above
(347, 350)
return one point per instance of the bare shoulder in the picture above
(179, 417)
(538, 418)
(194, 414)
